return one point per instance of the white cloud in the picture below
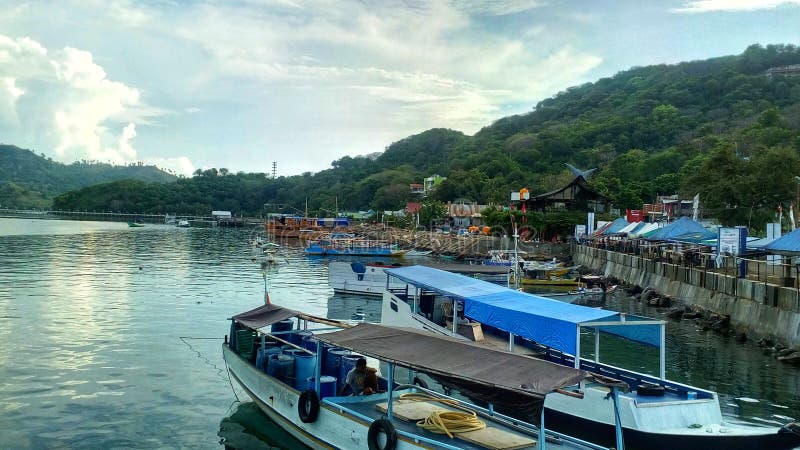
(701, 6)
(429, 58)
(497, 7)
(64, 101)
(180, 165)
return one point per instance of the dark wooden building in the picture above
(576, 196)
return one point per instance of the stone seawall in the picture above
(757, 308)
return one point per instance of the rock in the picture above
(665, 301)
(779, 347)
(675, 314)
(646, 294)
(741, 338)
(785, 352)
(793, 358)
(764, 342)
(768, 350)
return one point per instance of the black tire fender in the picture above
(308, 406)
(382, 426)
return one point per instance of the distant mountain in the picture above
(28, 180)
(720, 127)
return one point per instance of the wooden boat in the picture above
(284, 226)
(315, 414)
(655, 413)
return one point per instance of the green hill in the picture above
(28, 180)
(718, 127)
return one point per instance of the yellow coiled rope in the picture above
(446, 422)
(449, 422)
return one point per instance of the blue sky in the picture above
(240, 84)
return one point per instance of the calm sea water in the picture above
(111, 339)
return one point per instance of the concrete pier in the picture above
(759, 308)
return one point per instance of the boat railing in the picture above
(632, 378)
(515, 424)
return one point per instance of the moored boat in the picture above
(135, 224)
(655, 413)
(346, 244)
(401, 414)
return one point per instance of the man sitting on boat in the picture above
(361, 379)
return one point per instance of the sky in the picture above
(189, 85)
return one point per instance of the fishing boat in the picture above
(369, 278)
(346, 244)
(183, 223)
(297, 385)
(135, 224)
(655, 413)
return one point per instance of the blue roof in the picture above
(546, 321)
(616, 226)
(786, 244)
(682, 226)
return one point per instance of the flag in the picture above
(695, 206)
(791, 215)
(780, 213)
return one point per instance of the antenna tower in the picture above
(274, 169)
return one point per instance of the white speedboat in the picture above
(655, 413)
(296, 387)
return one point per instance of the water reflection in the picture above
(247, 428)
(96, 318)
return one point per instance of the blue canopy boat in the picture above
(654, 413)
(339, 244)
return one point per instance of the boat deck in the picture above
(406, 413)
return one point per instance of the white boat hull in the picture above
(665, 418)
(332, 429)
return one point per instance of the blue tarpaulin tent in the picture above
(788, 244)
(614, 227)
(682, 226)
(543, 320)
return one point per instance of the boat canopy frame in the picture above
(545, 321)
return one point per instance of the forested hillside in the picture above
(28, 180)
(718, 127)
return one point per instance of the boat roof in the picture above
(546, 321)
(446, 356)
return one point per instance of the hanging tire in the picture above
(308, 406)
(420, 382)
(385, 427)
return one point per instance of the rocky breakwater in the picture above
(709, 321)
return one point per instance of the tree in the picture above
(431, 212)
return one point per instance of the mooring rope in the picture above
(445, 422)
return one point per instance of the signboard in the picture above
(590, 223)
(731, 240)
(580, 230)
(633, 215)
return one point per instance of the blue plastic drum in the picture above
(263, 356)
(327, 386)
(272, 365)
(283, 325)
(304, 365)
(333, 360)
(286, 369)
(298, 336)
